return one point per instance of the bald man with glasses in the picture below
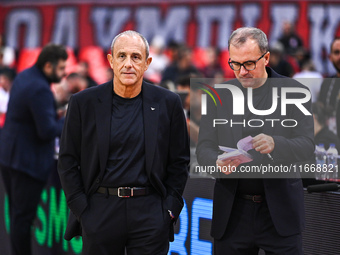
(253, 212)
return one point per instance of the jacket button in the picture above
(97, 181)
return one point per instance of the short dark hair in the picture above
(8, 72)
(51, 53)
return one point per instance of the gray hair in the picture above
(241, 35)
(132, 33)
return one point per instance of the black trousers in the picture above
(135, 225)
(24, 195)
(250, 228)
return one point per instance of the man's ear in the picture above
(109, 58)
(267, 58)
(148, 62)
(48, 68)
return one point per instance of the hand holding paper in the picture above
(240, 153)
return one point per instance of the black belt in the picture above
(125, 191)
(254, 198)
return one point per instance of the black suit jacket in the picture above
(284, 195)
(27, 139)
(84, 147)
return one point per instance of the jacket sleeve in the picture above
(44, 114)
(299, 145)
(69, 160)
(178, 160)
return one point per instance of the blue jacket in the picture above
(31, 126)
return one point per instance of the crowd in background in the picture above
(175, 63)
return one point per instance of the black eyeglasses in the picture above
(248, 65)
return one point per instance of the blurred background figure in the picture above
(330, 88)
(83, 70)
(212, 68)
(159, 60)
(27, 141)
(7, 54)
(278, 62)
(76, 82)
(61, 96)
(321, 131)
(109, 74)
(182, 66)
(183, 89)
(290, 40)
(191, 100)
(310, 77)
(7, 76)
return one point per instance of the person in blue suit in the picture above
(124, 155)
(27, 141)
(253, 211)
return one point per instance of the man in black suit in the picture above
(124, 156)
(27, 141)
(259, 212)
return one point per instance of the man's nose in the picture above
(243, 70)
(128, 62)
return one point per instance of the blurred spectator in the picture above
(213, 67)
(62, 91)
(278, 62)
(167, 84)
(76, 82)
(159, 60)
(301, 56)
(289, 39)
(83, 70)
(109, 74)
(330, 88)
(172, 51)
(7, 54)
(321, 131)
(7, 76)
(28, 141)
(191, 99)
(61, 96)
(181, 67)
(311, 78)
(183, 89)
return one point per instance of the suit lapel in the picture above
(151, 116)
(103, 122)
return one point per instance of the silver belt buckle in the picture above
(125, 188)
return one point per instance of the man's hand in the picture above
(263, 143)
(227, 165)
